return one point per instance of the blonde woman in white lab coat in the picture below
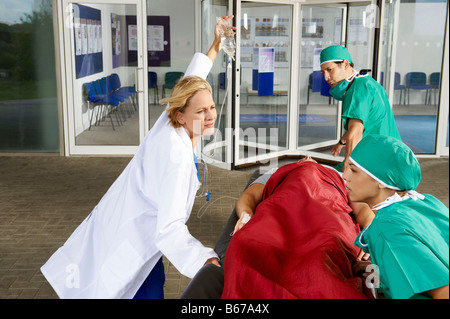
(117, 251)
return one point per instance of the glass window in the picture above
(171, 45)
(417, 74)
(265, 64)
(321, 26)
(362, 19)
(104, 49)
(28, 104)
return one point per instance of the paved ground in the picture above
(43, 199)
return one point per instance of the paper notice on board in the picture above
(90, 36)
(266, 60)
(117, 44)
(84, 40)
(77, 28)
(132, 38)
(99, 36)
(155, 37)
(94, 36)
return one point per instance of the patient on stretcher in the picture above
(298, 242)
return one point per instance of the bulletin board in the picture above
(158, 40)
(87, 27)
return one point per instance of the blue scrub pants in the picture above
(153, 286)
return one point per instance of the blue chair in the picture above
(111, 91)
(121, 95)
(108, 91)
(435, 81)
(170, 79)
(381, 79)
(117, 86)
(125, 90)
(222, 85)
(314, 83)
(325, 89)
(310, 87)
(111, 94)
(153, 83)
(105, 105)
(222, 81)
(93, 99)
(399, 87)
(417, 81)
(101, 94)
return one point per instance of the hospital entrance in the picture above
(272, 99)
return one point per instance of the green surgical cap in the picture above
(388, 160)
(335, 53)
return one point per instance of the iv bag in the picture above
(227, 38)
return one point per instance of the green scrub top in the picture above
(409, 242)
(366, 100)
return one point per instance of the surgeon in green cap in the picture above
(365, 105)
(406, 233)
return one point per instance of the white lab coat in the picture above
(142, 216)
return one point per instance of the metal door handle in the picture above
(137, 83)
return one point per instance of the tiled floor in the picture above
(44, 198)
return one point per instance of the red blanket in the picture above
(299, 243)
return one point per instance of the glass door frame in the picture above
(293, 96)
(443, 99)
(225, 142)
(443, 114)
(67, 67)
(309, 149)
(293, 150)
(293, 111)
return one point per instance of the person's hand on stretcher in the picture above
(250, 198)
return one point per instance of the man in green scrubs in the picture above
(365, 105)
(406, 233)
